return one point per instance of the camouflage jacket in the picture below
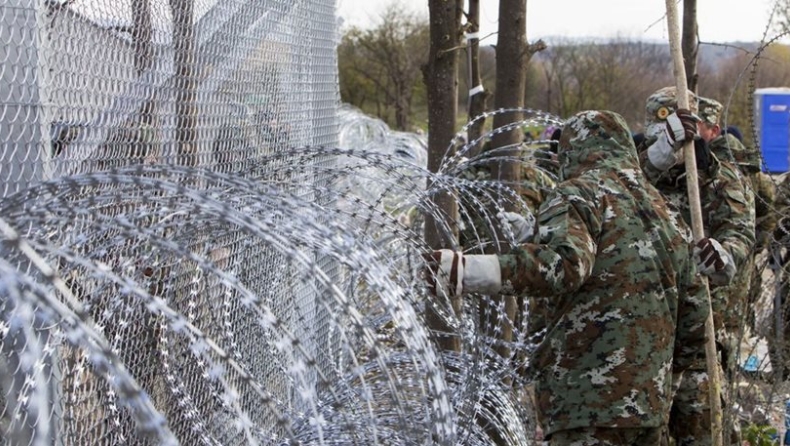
(729, 303)
(728, 215)
(626, 296)
(477, 228)
(782, 207)
(728, 148)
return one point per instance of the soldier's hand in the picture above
(522, 225)
(782, 231)
(681, 126)
(444, 272)
(453, 273)
(714, 261)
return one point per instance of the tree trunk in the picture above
(689, 43)
(142, 34)
(511, 65)
(441, 80)
(402, 112)
(186, 82)
(512, 55)
(478, 96)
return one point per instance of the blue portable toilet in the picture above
(772, 117)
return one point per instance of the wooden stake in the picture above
(697, 228)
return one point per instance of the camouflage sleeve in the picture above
(730, 218)
(782, 208)
(693, 312)
(765, 196)
(651, 172)
(534, 187)
(563, 257)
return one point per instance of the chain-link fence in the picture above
(97, 85)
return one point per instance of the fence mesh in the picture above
(95, 85)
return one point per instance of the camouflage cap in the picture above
(710, 110)
(663, 103)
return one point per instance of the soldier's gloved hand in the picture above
(455, 274)
(681, 126)
(714, 261)
(782, 231)
(523, 226)
(444, 272)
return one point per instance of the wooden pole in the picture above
(696, 218)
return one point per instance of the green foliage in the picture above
(380, 67)
(380, 73)
(756, 435)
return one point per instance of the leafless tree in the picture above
(383, 64)
(690, 42)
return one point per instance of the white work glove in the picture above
(455, 274)
(522, 226)
(681, 126)
(714, 261)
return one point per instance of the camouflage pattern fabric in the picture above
(535, 184)
(730, 301)
(729, 217)
(709, 110)
(477, 232)
(624, 295)
(749, 161)
(762, 191)
(779, 346)
(726, 212)
(608, 437)
(765, 223)
(689, 420)
(765, 196)
(725, 147)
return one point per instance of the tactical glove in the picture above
(782, 231)
(522, 226)
(714, 261)
(681, 126)
(455, 274)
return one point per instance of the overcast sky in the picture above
(719, 20)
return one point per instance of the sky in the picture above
(719, 20)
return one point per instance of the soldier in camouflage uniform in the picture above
(779, 343)
(730, 301)
(760, 188)
(625, 310)
(729, 236)
(749, 161)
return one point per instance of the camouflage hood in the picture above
(594, 139)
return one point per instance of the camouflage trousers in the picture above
(606, 436)
(690, 416)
